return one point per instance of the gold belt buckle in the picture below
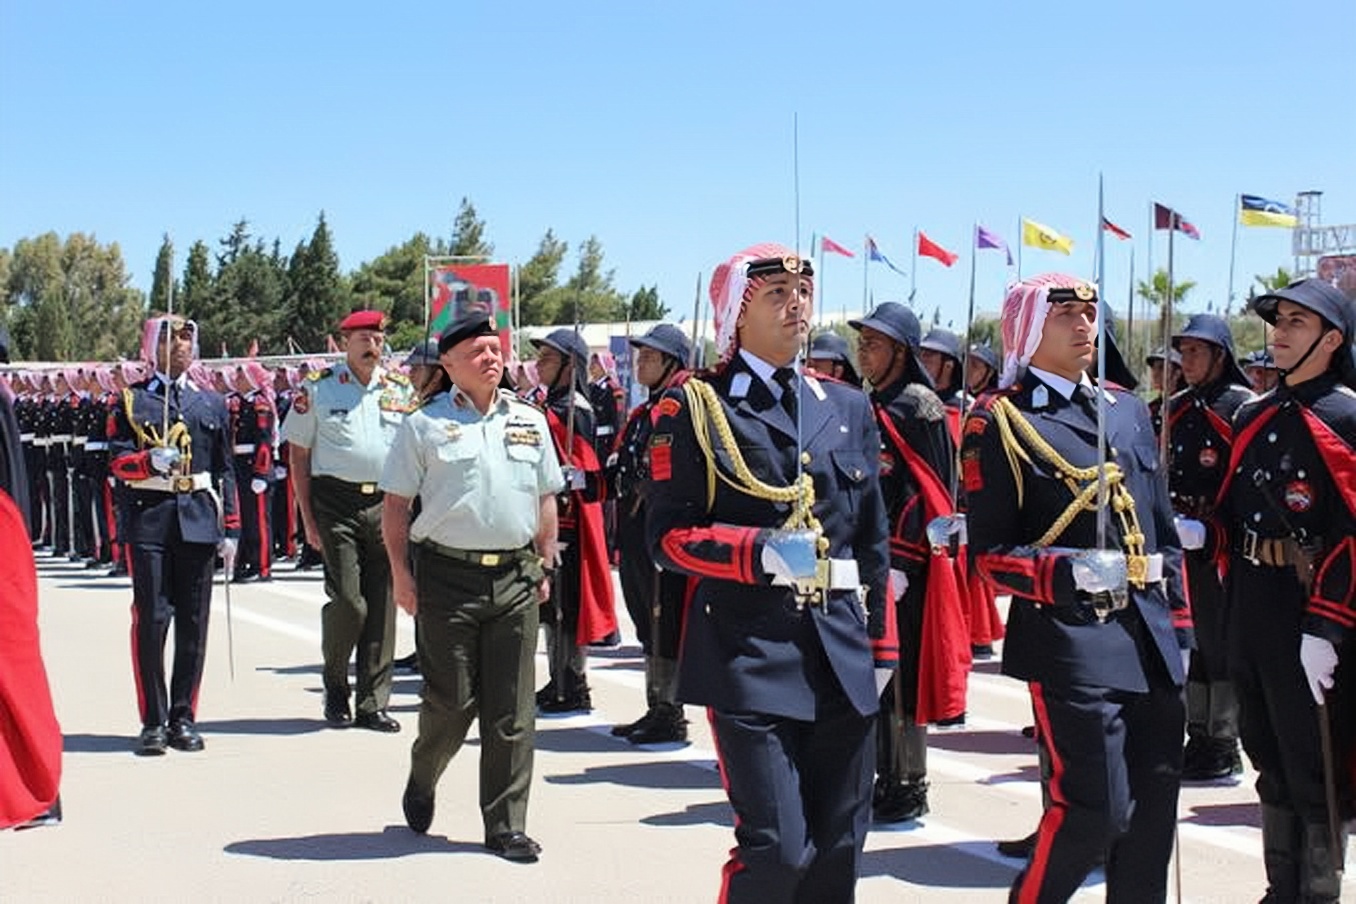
(1137, 570)
(367, 489)
(183, 484)
(490, 559)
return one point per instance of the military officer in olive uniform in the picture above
(340, 429)
(1200, 435)
(483, 467)
(1286, 527)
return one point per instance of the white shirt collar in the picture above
(765, 371)
(1062, 385)
(181, 381)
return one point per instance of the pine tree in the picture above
(196, 296)
(161, 282)
(538, 277)
(317, 301)
(468, 234)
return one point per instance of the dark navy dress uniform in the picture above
(1200, 425)
(255, 433)
(174, 525)
(1107, 695)
(789, 687)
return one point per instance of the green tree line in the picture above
(71, 299)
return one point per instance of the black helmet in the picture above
(569, 343)
(829, 346)
(1328, 302)
(1213, 329)
(944, 341)
(901, 324)
(426, 354)
(666, 339)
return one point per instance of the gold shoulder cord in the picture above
(1016, 430)
(148, 437)
(708, 412)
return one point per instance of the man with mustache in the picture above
(339, 432)
(763, 487)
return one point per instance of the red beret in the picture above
(364, 320)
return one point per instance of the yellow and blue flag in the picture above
(1258, 211)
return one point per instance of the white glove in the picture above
(1100, 571)
(227, 549)
(258, 486)
(899, 582)
(1319, 658)
(1186, 662)
(789, 555)
(574, 478)
(279, 472)
(941, 529)
(1191, 533)
(163, 459)
(883, 677)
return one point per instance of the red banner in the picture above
(458, 289)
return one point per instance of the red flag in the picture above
(1115, 230)
(829, 246)
(1167, 218)
(928, 248)
(254, 350)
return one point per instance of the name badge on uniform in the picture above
(338, 412)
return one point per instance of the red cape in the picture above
(944, 658)
(30, 738)
(597, 605)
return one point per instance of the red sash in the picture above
(597, 606)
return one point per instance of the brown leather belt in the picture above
(1274, 552)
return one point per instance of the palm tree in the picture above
(1155, 292)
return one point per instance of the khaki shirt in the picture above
(347, 426)
(479, 478)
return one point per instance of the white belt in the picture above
(80, 440)
(26, 437)
(605, 431)
(843, 575)
(42, 442)
(243, 449)
(60, 437)
(182, 484)
(95, 445)
(1155, 568)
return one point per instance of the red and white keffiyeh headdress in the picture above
(1024, 309)
(731, 288)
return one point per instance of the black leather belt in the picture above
(366, 489)
(1275, 552)
(485, 558)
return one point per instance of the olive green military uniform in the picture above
(479, 479)
(349, 429)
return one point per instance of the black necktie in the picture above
(1086, 398)
(786, 378)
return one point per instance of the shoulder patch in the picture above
(302, 403)
(668, 407)
(396, 377)
(926, 402)
(317, 375)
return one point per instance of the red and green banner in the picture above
(458, 289)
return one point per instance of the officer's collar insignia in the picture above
(1040, 397)
(343, 377)
(454, 432)
(739, 385)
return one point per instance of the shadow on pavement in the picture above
(313, 668)
(712, 814)
(992, 742)
(1245, 814)
(94, 743)
(988, 666)
(391, 842)
(577, 740)
(122, 585)
(962, 865)
(288, 726)
(624, 651)
(663, 776)
(1030, 773)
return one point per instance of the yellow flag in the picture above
(1036, 235)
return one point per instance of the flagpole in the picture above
(1100, 253)
(1130, 313)
(1021, 240)
(1149, 263)
(965, 356)
(1233, 251)
(1167, 348)
(696, 319)
(820, 281)
(866, 277)
(913, 270)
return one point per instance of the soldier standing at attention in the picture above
(482, 465)
(1286, 524)
(1101, 636)
(764, 489)
(340, 430)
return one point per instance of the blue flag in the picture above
(873, 253)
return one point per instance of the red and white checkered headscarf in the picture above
(730, 291)
(152, 332)
(1024, 310)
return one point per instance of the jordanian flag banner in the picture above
(459, 289)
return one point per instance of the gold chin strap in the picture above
(1018, 434)
(148, 437)
(707, 411)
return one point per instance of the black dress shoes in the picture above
(418, 808)
(515, 846)
(377, 721)
(1019, 848)
(183, 736)
(336, 710)
(153, 741)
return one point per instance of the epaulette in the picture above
(396, 377)
(927, 405)
(317, 375)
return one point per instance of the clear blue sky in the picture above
(668, 134)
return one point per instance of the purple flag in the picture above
(986, 239)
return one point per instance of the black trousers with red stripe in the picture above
(801, 793)
(171, 581)
(1116, 764)
(256, 535)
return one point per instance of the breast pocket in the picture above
(524, 464)
(390, 423)
(849, 475)
(335, 429)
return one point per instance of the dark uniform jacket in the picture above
(1293, 474)
(1200, 425)
(1052, 637)
(747, 645)
(202, 515)
(919, 417)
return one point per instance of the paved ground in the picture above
(280, 808)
